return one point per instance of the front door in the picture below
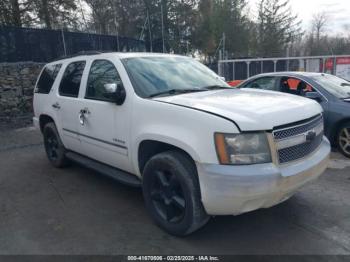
(299, 87)
(104, 128)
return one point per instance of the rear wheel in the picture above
(344, 139)
(172, 194)
(54, 148)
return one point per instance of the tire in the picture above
(54, 147)
(343, 139)
(172, 193)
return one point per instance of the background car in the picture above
(332, 92)
(234, 83)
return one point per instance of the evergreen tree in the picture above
(218, 17)
(277, 27)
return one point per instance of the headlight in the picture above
(242, 149)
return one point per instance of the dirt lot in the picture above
(44, 210)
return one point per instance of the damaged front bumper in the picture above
(232, 190)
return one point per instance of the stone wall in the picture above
(17, 81)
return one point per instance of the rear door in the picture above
(68, 105)
(296, 86)
(44, 86)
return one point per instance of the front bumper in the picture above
(232, 190)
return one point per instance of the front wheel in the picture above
(344, 139)
(172, 194)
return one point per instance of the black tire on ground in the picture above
(343, 139)
(172, 193)
(54, 148)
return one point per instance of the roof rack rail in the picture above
(89, 52)
(80, 53)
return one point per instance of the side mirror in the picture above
(314, 95)
(222, 78)
(115, 92)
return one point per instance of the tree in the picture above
(315, 42)
(178, 21)
(16, 13)
(5, 13)
(170, 24)
(233, 22)
(102, 15)
(218, 17)
(319, 23)
(277, 27)
(204, 36)
(54, 14)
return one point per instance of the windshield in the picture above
(337, 86)
(152, 76)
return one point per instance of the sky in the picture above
(338, 12)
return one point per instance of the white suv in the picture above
(169, 124)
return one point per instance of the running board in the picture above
(117, 174)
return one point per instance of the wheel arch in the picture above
(336, 130)
(148, 148)
(43, 120)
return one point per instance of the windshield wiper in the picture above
(176, 91)
(214, 87)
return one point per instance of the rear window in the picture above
(47, 78)
(337, 86)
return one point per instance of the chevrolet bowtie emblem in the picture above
(310, 136)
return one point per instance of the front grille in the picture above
(299, 151)
(298, 129)
(293, 142)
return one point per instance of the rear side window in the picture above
(47, 78)
(70, 82)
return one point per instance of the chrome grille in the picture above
(298, 129)
(299, 140)
(299, 151)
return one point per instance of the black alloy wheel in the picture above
(54, 147)
(51, 145)
(172, 194)
(167, 196)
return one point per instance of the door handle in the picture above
(81, 118)
(56, 105)
(82, 115)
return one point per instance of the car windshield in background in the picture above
(337, 86)
(156, 76)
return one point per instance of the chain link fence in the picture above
(41, 45)
(240, 69)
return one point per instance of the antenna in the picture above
(115, 23)
(161, 11)
(149, 32)
(64, 42)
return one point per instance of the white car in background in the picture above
(169, 124)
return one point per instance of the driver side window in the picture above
(101, 72)
(266, 83)
(295, 86)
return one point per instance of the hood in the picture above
(250, 109)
